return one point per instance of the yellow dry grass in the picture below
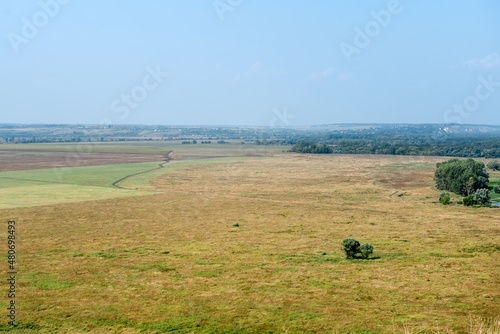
(173, 261)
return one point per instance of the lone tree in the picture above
(462, 177)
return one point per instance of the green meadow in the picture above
(74, 184)
(103, 176)
(64, 185)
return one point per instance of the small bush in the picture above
(353, 247)
(497, 189)
(443, 195)
(444, 198)
(469, 200)
(366, 249)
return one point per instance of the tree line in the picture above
(398, 144)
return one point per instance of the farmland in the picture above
(90, 177)
(56, 185)
(25, 160)
(171, 259)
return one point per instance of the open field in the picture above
(173, 261)
(143, 181)
(24, 160)
(73, 184)
(103, 176)
(118, 148)
(231, 148)
(62, 185)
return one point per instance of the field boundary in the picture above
(160, 166)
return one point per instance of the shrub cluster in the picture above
(481, 197)
(353, 247)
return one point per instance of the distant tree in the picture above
(482, 197)
(461, 176)
(494, 165)
(497, 189)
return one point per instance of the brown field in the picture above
(23, 160)
(174, 262)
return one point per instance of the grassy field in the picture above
(73, 184)
(25, 160)
(61, 185)
(119, 148)
(143, 180)
(232, 148)
(172, 261)
(46, 186)
(103, 176)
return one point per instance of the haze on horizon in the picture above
(256, 63)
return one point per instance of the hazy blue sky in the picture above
(249, 62)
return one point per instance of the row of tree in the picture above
(309, 147)
(404, 144)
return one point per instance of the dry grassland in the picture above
(174, 262)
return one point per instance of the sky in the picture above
(249, 62)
